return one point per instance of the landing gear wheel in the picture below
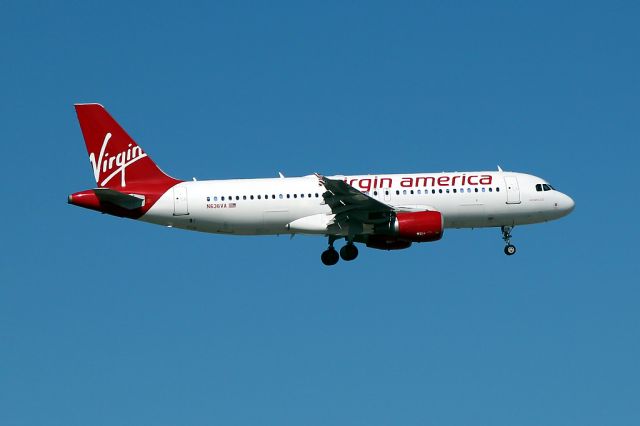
(330, 256)
(349, 252)
(509, 249)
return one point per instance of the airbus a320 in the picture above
(381, 211)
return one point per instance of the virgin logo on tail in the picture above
(116, 164)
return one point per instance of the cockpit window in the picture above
(539, 187)
(546, 187)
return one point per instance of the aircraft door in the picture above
(513, 190)
(180, 201)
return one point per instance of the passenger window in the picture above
(397, 192)
(455, 190)
(375, 192)
(440, 191)
(448, 190)
(301, 195)
(215, 198)
(295, 195)
(288, 195)
(386, 192)
(482, 189)
(498, 189)
(419, 192)
(251, 196)
(490, 189)
(280, 196)
(259, 197)
(404, 192)
(317, 195)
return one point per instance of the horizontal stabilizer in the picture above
(120, 199)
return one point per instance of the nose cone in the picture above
(566, 204)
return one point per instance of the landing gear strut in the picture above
(509, 249)
(330, 256)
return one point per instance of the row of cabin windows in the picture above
(375, 193)
(544, 187)
(259, 197)
(440, 191)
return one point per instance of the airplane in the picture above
(381, 211)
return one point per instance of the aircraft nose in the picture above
(567, 204)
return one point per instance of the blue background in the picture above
(106, 321)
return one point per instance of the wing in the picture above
(354, 211)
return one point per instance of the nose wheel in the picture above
(509, 249)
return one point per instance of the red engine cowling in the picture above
(419, 227)
(407, 228)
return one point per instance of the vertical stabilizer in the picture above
(117, 160)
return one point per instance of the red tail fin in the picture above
(117, 160)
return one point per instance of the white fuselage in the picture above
(295, 205)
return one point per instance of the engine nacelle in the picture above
(384, 242)
(407, 228)
(419, 227)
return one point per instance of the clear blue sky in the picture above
(105, 321)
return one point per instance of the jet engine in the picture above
(419, 227)
(407, 228)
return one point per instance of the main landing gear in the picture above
(330, 256)
(349, 252)
(509, 249)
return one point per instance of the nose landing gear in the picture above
(509, 249)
